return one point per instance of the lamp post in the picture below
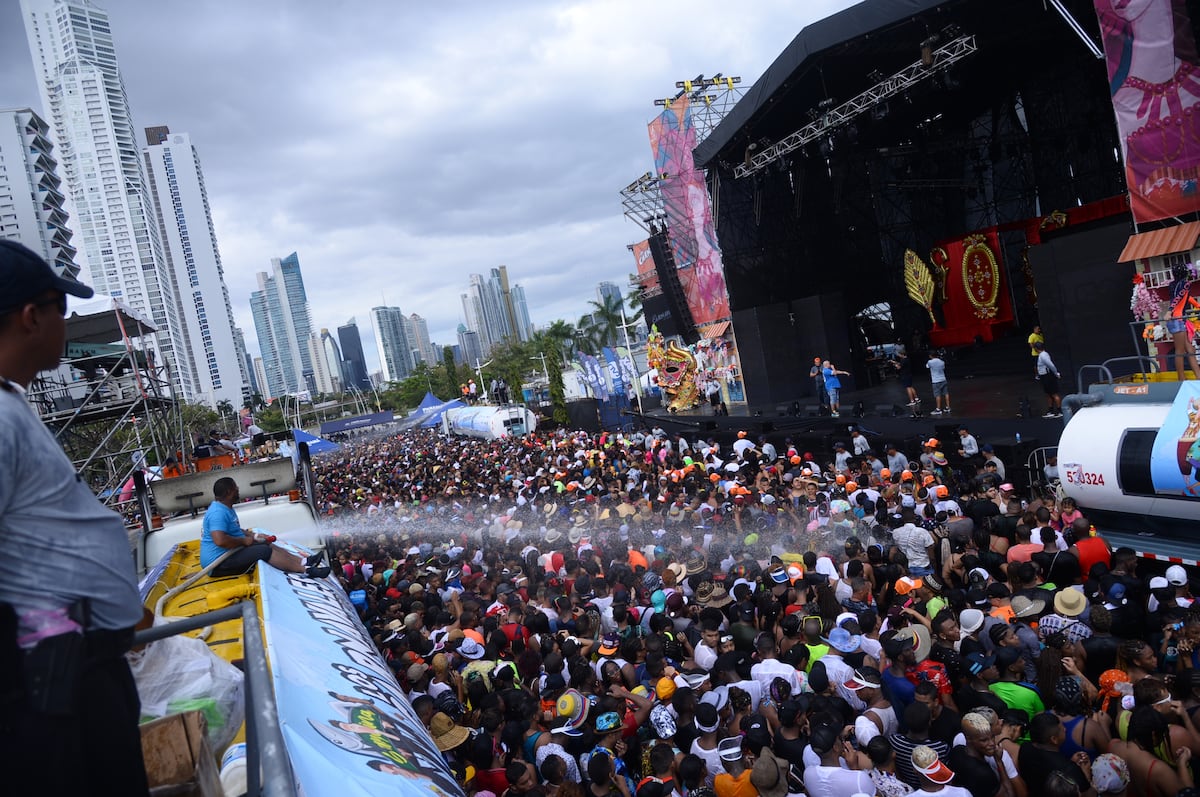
(479, 375)
(545, 370)
(637, 378)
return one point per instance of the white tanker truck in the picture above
(1130, 457)
(489, 423)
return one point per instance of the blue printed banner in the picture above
(348, 726)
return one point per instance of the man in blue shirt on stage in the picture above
(222, 532)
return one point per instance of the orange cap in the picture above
(906, 476)
(841, 479)
(796, 459)
(886, 473)
(851, 486)
(714, 477)
(928, 480)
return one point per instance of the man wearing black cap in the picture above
(68, 595)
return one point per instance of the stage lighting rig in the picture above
(831, 118)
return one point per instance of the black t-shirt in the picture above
(973, 774)
(1101, 655)
(1034, 765)
(947, 725)
(968, 699)
(789, 749)
(1060, 568)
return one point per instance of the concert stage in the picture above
(894, 176)
(986, 397)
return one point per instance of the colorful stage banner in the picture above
(689, 214)
(595, 375)
(1154, 79)
(972, 289)
(647, 274)
(348, 726)
(1175, 462)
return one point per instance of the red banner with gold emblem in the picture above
(973, 289)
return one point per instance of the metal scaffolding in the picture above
(110, 403)
(710, 99)
(826, 121)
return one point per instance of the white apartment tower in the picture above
(83, 98)
(31, 205)
(419, 339)
(392, 340)
(214, 371)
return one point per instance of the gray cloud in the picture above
(399, 147)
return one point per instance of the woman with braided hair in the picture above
(1151, 774)
(1137, 659)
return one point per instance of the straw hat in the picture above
(447, 735)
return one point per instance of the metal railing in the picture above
(264, 735)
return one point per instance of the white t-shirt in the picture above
(937, 369)
(861, 444)
(821, 781)
(946, 791)
(913, 540)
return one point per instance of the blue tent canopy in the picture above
(316, 445)
(429, 412)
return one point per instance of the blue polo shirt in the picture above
(222, 518)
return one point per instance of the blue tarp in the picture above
(358, 422)
(316, 445)
(429, 412)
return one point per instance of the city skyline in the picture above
(447, 175)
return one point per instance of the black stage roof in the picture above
(1019, 40)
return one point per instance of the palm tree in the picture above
(606, 317)
(589, 335)
(562, 334)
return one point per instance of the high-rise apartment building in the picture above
(260, 376)
(322, 375)
(207, 355)
(32, 208)
(419, 338)
(83, 98)
(354, 362)
(333, 356)
(608, 291)
(281, 319)
(394, 344)
(470, 346)
(239, 342)
(521, 311)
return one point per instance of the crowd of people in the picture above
(650, 615)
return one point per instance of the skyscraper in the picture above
(354, 364)
(83, 97)
(333, 356)
(521, 309)
(207, 353)
(500, 305)
(281, 319)
(608, 290)
(31, 206)
(392, 340)
(419, 338)
(470, 346)
(239, 341)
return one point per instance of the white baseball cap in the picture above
(1176, 576)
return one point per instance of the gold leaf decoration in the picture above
(919, 281)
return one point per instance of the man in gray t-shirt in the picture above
(941, 390)
(68, 595)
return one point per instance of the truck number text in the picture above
(1085, 477)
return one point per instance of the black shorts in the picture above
(1049, 384)
(243, 560)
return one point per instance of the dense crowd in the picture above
(646, 614)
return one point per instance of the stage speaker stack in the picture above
(887, 410)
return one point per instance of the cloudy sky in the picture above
(400, 146)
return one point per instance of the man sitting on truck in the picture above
(221, 532)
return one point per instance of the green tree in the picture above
(562, 335)
(606, 320)
(271, 419)
(558, 395)
(589, 335)
(450, 370)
